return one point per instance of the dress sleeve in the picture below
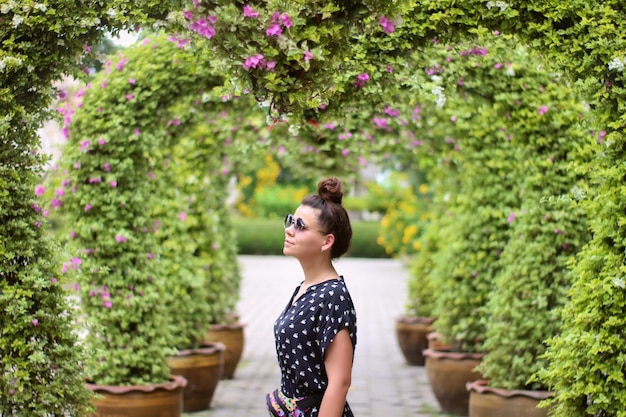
(337, 312)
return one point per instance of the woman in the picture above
(316, 332)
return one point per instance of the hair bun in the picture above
(331, 189)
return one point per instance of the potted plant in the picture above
(548, 230)
(181, 261)
(413, 327)
(477, 230)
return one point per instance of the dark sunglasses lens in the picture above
(299, 224)
(288, 220)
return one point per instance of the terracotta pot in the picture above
(448, 372)
(435, 343)
(411, 336)
(163, 400)
(232, 336)
(202, 368)
(486, 401)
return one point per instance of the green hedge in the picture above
(266, 237)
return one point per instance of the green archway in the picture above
(145, 196)
(584, 38)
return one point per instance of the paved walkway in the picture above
(382, 384)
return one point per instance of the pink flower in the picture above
(345, 136)
(35, 322)
(308, 55)
(389, 68)
(107, 304)
(150, 255)
(121, 239)
(254, 61)
(498, 65)
(511, 217)
(345, 152)
(187, 14)
(55, 203)
(107, 167)
(104, 84)
(136, 132)
(274, 30)
(113, 184)
(120, 65)
(542, 110)
(270, 65)
(132, 81)
(129, 97)
(95, 180)
(361, 80)
(380, 122)
(182, 216)
(40, 189)
(391, 112)
(387, 25)
(75, 261)
(84, 146)
(286, 20)
(88, 207)
(72, 234)
(64, 268)
(248, 11)
(203, 27)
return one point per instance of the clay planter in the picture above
(435, 343)
(202, 368)
(486, 401)
(411, 336)
(232, 336)
(448, 372)
(163, 400)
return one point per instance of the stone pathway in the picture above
(382, 384)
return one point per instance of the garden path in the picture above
(382, 384)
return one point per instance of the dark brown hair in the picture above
(333, 218)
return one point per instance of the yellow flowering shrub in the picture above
(402, 224)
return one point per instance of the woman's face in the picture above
(307, 242)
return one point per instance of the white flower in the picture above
(440, 96)
(17, 20)
(294, 129)
(617, 64)
(499, 4)
(619, 282)
(510, 71)
(112, 13)
(40, 6)
(7, 7)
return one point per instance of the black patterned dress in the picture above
(304, 330)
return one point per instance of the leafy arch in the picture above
(136, 119)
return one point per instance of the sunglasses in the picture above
(298, 223)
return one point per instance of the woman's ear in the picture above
(329, 240)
